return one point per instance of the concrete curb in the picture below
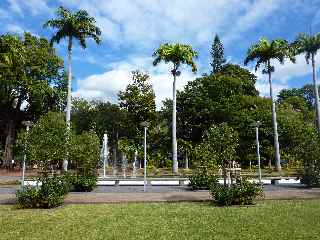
(197, 196)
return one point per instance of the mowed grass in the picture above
(298, 219)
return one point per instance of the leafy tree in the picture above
(46, 142)
(217, 54)
(310, 44)
(263, 52)
(218, 147)
(78, 25)
(214, 99)
(138, 100)
(101, 117)
(85, 153)
(177, 54)
(83, 115)
(31, 83)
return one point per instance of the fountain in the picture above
(134, 164)
(105, 153)
(124, 165)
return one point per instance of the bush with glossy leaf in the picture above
(84, 183)
(50, 194)
(202, 179)
(241, 193)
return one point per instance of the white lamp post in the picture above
(257, 125)
(145, 125)
(27, 124)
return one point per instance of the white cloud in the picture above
(36, 7)
(147, 23)
(106, 85)
(254, 13)
(13, 28)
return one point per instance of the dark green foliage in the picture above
(83, 183)
(202, 179)
(85, 153)
(138, 100)
(222, 141)
(29, 197)
(30, 71)
(50, 194)
(241, 193)
(212, 100)
(309, 153)
(306, 93)
(311, 176)
(217, 55)
(101, 117)
(47, 141)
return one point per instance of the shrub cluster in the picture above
(83, 183)
(202, 179)
(311, 177)
(52, 191)
(50, 194)
(241, 193)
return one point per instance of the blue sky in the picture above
(132, 29)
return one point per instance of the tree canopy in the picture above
(32, 82)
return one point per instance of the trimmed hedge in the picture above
(50, 194)
(241, 193)
(202, 181)
(83, 183)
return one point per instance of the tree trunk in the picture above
(275, 124)
(174, 128)
(9, 144)
(11, 132)
(316, 93)
(187, 161)
(68, 108)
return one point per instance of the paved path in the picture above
(164, 194)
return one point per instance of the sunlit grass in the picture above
(267, 220)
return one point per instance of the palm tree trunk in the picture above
(68, 108)
(174, 127)
(316, 93)
(275, 124)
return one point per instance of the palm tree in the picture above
(264, 52)
(177, 54)
(310, 44)
(80, 26)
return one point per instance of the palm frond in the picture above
(177, 54)
(307, 44)
(78, 25)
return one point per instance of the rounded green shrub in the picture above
(241, 193)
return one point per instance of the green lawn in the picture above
(267, 220)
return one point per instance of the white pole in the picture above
(145, 160)
(258, 152)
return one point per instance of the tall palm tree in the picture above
(263, 53)
(177, 54)
(310, 44)
(80, 26)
